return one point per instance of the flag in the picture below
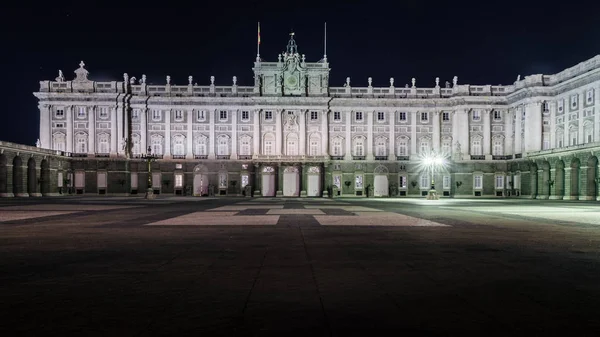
(259, 33)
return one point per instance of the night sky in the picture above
(483, 42)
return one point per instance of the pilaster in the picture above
(120, 129)
(234, 137)
(92, 128)
(580, 135)
(518, 127)
(597, 117)
(113, 130)
(392, 136)
(256, 133)
(278, 132)
(436, 131)
(167, 150)
(552, 106)
(325, 133)
(370, 135)
(302, 144)
(211, 139)
(533, 127)
(45, 125)
(189, 138)
(69, 126)
(487, 133)
(552, 187)
(348, 145)
(462, 129)
(508, 133)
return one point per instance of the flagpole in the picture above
(258, 44)
(325, 53)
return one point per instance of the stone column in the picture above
(144, 130)
(542, 185)
(325, 133)
(597, 116)
(92, 128)
(167, 150)
(552, 191)
(567, 185)
(302, 145)
(436, 131)
(518, 127)
(533, 127)
(114, 136)
(126, 133)
(392, 135)
(553, 141)
(348, 145)
(189, 151)
(234, 137)
(257, 175)
(69, 126)
(120, 129)
(278, 132)
(508, 133)
(463, 132)
(256, 133)
(581, 105)
(211, 139)
(413, 133)
(45, 125)
(370, 136)
(487, 134)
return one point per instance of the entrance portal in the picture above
(268, 182)
(313, 186)
(291, 182)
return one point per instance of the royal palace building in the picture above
(292, 134)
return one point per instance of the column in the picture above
(211, 138)
(552, 190)
(508, 133)
(189, 151)
(518, 128)
(413, 134)
(487, 133)
(92, 128)
(464, 132)
(113, 130)
(325, 133)
(436, 131)
(126, 114)
(120, 132)
(278, 132)
(581, 105)
(69, 126)
(257, 186)
(552, 106)
(302, 144)
(533, 127)
(234, 138)
(566, 131)
(370, 135)
(167, 150)
(392, 135)
(45, 125)
(596, 116)
(256, 136)
(144, 130)
(348, 145)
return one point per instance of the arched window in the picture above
(291, 146)
(104, 143)
(588, 133)
(58, 142)
(447, 146)
(314, 148)
(81, 143)
(136, 147)
(359, 146)
(381, 147)
(402, 148)
(157, 144)
(268, 144)
(498, 146)
(424, 146)
(476, 147)
(336, 147)
(223, 146)
(200, 146)
(179, 145)
(573, 136)
(245, 142)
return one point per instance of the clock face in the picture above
(291, 81)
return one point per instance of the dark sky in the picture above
(482, 42)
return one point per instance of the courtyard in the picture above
(126, 266)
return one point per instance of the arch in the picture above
(337, 146)
(245, 147)
(31, 177)
(136, 148)
(103, 143)
(314, 144)
(268, 144)
(157, 142)
(559, 180)
(45, 177)
(403, 146)
(3, 175)
(81, 142)
(575, 164)
(200, 145)
(592, 174)
(291, 169)
(381, 170)
(381, 146)
(59, 141)
(200, 168)
(291, 144)
(545, 188)
(17, 176)
(178, 145)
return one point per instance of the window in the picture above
(136, 148)
(201, 115)
(476, 148)
(58, 142)
(156, 115)
(313, 115)
(81, 143)
(337, 116)
(60, 125)
(545, 107)
(103, 143)
(498, 147)
(245, 180)
(499, 182)
(589, 96)
(588, 134)
(497, 115)
(245, 146)
(200, 146)
(574, 102)
(561, 106)
(337, 147)
(60, 113)
(424, 147)
(156, 143)
(402, 182)
(135, 114)
(403, 147)
(424, 181)
(477, 181)
(424, 116)
(402, 116)
(446, 182)
(476, 115)
(104, 112)
(359, 116)
(446, 147)
(178, 180)
(574, 135)
(178, 115)
(245, 115)
(268, 147)
(380, 147)
(81, 112)
(268, 115)
(380, 116)
(179, 145)
(359, 147)
(223, 115)
(445, 116)
(292, 145)
(223, 147)
(314, 146)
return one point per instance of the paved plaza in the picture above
(126, 266)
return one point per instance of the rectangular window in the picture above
(380, 116)
(178, 180)
(589, 96)
(60, 113)
(424, 116)
(359, 116)
(200, 115)
(178, 115)
(313, 115)
(135, 114)
(445, 116)
(560, 105)
(81, 111)
(402, 116)
(424, 182)
(268, 115)
(104, 112)
(337, 116)
(245, 115)
(403, 182)
(476, 115)
(446, 182)
(477, 182)
(223, 115)
(497, 115)
(499, 182)
(574, 101)
(156, 115)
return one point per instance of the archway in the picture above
(268, 187)
(45, 177)
(559, 180)
(380, 182)
(31, 177)
(313, 184)
(291, 182)
(200, 181)
(574, 193)
(3, 175)
(592, 175)
(18, 177)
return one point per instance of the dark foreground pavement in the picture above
(95, 267)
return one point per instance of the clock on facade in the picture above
(291, 81)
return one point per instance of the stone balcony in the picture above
(284, 158)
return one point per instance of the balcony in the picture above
(358, 157)
(381, 157)
(403, 158)
(478, 157)
(508, 157)
(518, 155)
(200, 156)
(337, 157)
(244, 157)
(80, 155)
(223, 156)
(102, 155)
(179, 156)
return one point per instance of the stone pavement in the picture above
(318, 267)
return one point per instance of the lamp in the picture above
(149, 157)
